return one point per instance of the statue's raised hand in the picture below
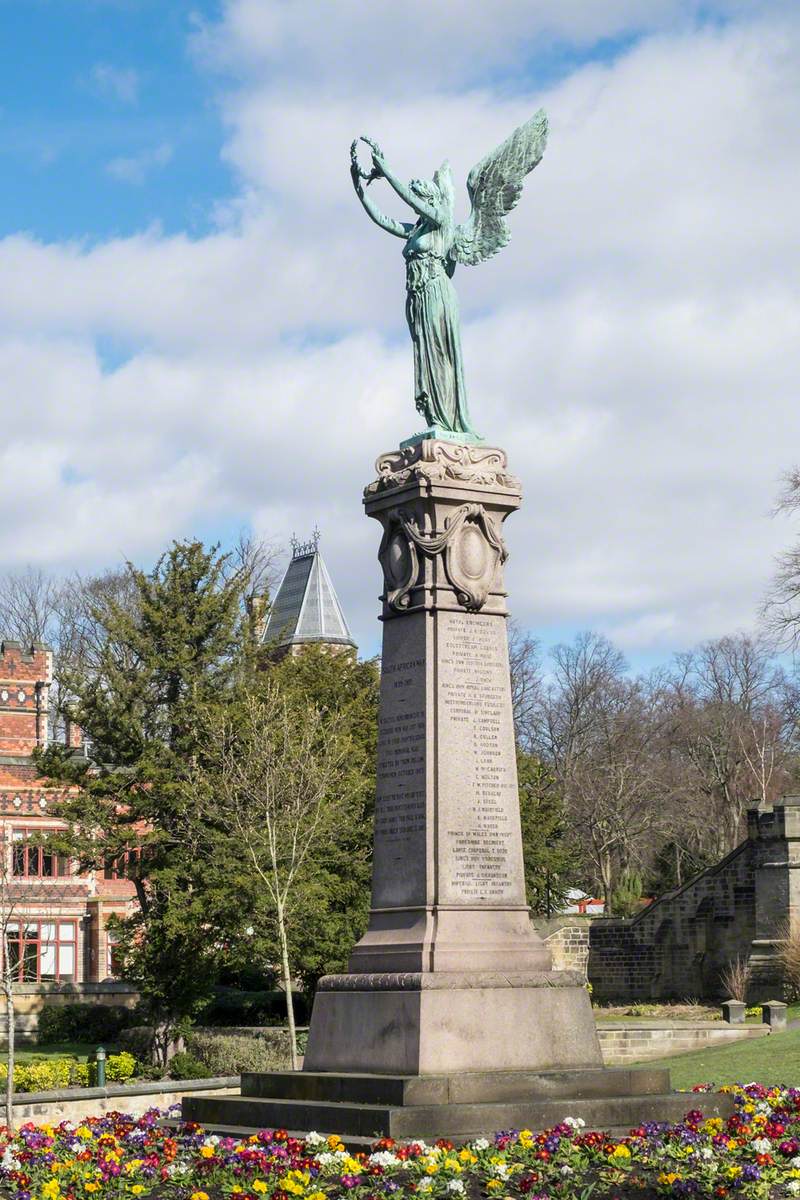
(378, 164)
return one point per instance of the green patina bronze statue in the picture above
(434, 244)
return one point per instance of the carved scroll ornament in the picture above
(471, 548)
(435, 462)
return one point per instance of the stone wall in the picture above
(678, 946)
(567, 939)
(73, 1104)
(623, 1043)
(30, 999)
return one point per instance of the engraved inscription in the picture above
(399, 868)
(480, 825)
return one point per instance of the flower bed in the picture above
(756, 1153)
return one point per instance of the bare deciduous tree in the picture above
(732, 731)
(780, 611)
(270, 791)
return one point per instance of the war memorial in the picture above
(450, 1021)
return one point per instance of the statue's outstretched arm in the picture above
(398, 228)
(405, 192)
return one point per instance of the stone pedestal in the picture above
(450, 998)
(450, 960)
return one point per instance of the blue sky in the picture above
(199, 331)
(88, 85)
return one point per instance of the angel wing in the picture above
(495, 186)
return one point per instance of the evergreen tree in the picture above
(551, 862)
(176, 646)
(627, 898)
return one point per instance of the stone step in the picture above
(464, 1088)
(457, 1121)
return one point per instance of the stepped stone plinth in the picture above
(450, 1020)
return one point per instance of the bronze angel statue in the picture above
(434, 244)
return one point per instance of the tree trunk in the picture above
(9, 994)
(606, 878)
(286, 976)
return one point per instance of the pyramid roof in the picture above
(306, 607)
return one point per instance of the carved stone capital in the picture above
(470, 546)
(444, 462)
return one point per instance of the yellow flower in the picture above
(335, 1142)
(734, 1171)
(199, 1196)
(91, 1187)
(621, 1151)
(316, 1196)
(453, 1164)
(206, 1151)
(258, 1186)
(51, 1189)
(467, 1156)
(494, 1184)
(431, 1168)
(350, 1166)
(137, 1189)
(668, 1177)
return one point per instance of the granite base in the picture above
(444, 1022)
(362, 1107)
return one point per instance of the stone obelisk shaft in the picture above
(448, 889)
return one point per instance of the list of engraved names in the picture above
(478, 829)
(400, 808)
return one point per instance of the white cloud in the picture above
(116, 83)
(136, 167)
(636, 346)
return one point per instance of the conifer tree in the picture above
(551, 860)
(176, 647)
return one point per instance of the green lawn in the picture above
(773, 1059)
(80, 1050)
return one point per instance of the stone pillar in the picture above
(450, 962)
(733, 1011)
(777, 894)
(774, 1014)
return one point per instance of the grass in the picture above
(79, 1050)
(769, 1060)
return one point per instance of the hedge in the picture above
(50, 1074)
(96, 1023)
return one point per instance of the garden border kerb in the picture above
(70, 1103)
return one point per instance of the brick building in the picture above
(56, 920)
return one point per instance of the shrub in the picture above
(185, 1066)
(138, 1040)
(231, 1006)
(120, 1067)
(789, 955)
(224, 1054)
(49, 1074)
(735, 979)
(82, 1023)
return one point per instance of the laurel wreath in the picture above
(374, 173)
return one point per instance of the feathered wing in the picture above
(495, 186)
